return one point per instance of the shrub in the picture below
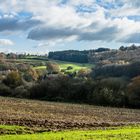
(53, 68)
(69, 68)
(84, 73)
(63, 70)
(5, 90)
(13, 79)
(21, 92)
(133, 92)
(31, 75)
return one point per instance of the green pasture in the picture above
(124, 133)
(63, 65)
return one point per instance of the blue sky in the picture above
(40, 26)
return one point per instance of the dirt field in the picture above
(57, 116)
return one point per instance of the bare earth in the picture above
(58, 116)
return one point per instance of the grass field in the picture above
(63, 65)
(126, 133)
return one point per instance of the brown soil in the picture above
(47, 116)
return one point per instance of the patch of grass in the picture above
(63, 65)
(76, 67)
(127, 133)
(9, 127)
(14, 129)
(40, 68)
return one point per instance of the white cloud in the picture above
(6, 42)
(82, 2)
(127, 8)
(62, 22)
(125, 11)
(64, 17)
(10, 22)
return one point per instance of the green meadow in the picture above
(63, 65)
(120, 133)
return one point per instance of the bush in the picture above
(38, 91)
(83, 73)
(13, 79)
(5, 90)
(109, 91)
(128, 70)
(133, 92)
(63, 70)
(69, 68)
(21, 92)
(53, 68)
(31, 75)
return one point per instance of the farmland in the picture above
(59, 116)
(64, 65)
(69, 69)
(72, 121)
(62, 115)
(25, 119)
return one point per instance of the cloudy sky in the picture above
(39, 26)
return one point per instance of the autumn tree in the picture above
(31, 75)
(52, 68)
(84, 73)
(133, 92)
(2, 57)
(13, 79)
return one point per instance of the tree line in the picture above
(74, 55)
(107, 85)
(119, 91)
(117, 70)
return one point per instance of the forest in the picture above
(32, 77)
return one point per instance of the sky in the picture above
(40, 26)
